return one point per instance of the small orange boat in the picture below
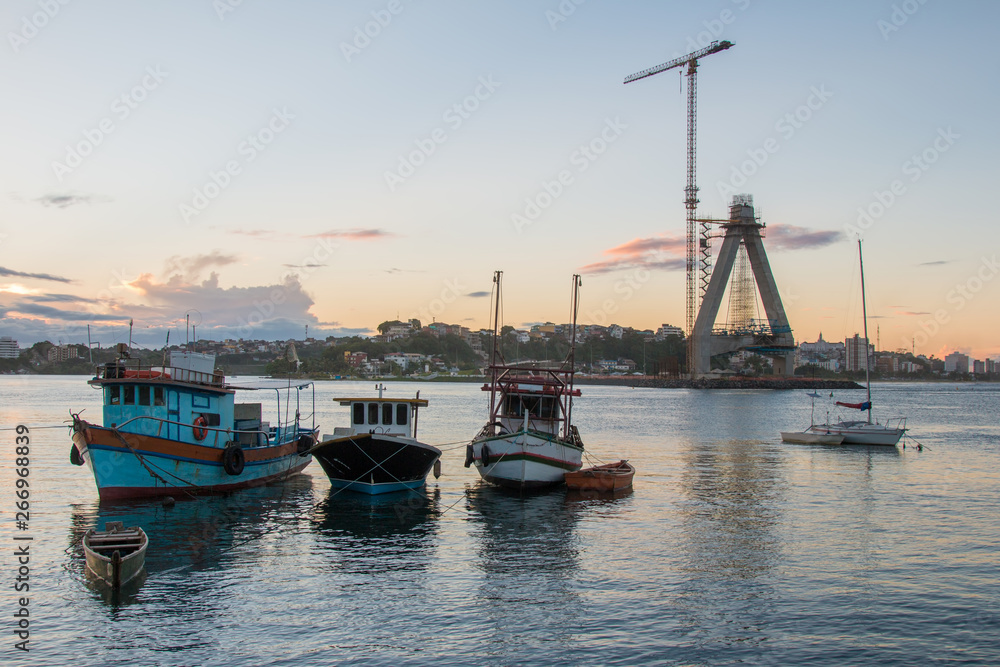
(608, 477)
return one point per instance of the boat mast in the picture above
(864, 314)
(496, 355)
(574, 308)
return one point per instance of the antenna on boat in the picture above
(187, 330)
(130, 333)
(574, 311)
(90, 346)
(864, 315)
(165, 347)
(496, 356)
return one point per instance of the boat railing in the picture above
(128, 369)
(279, 434)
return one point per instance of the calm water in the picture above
(732, 548)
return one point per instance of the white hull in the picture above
(524, 460)
(809, 438)
(862, 433)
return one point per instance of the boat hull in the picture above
(115, 571)
(610, 477)
(374, 464)
(146, 466)
(809, 438)
(862, 433)
(524, 460)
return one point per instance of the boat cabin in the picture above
(384, 416)
(187, 401)
(535, 402)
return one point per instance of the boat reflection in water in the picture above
(529, 561)
(369, 534)
(196, 544)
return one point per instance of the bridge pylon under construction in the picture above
(772, 338)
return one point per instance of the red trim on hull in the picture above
(131, 492)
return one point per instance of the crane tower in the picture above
(691, 189)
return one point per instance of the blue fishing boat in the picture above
(177, 429)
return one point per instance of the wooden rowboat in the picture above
(608, 477)
(117, 554)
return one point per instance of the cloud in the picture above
(38, 276)
(59, 298)
(663, 252)
(937, 262)
(352, 234)
(790, 237)
(51, 313)
(191, 267)
(478, 295)
(67, 199)
(304, 266)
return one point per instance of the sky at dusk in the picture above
(263, 166)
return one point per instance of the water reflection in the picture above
(194, 535)
(734, 494)
(733, 501)
(383, 533)
(529, 558)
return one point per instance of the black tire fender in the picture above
(233, 460)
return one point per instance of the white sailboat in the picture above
(863, 432)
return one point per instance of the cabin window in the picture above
(128, 394)
(199, 401)
(373, 413)
(547, 409)
(158, 398)
(143, 395)
(401, 414)
(387, 414)
(359, 413)
(114, 395)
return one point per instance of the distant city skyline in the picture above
(264, 167)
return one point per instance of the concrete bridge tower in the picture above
(772, 338)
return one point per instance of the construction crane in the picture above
(691, 190)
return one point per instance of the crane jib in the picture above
(714, 47)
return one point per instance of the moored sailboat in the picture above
(529, 441)
(862, 432)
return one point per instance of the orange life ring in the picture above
(198, 428)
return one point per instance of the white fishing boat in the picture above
(529, 440)
(863, 432)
